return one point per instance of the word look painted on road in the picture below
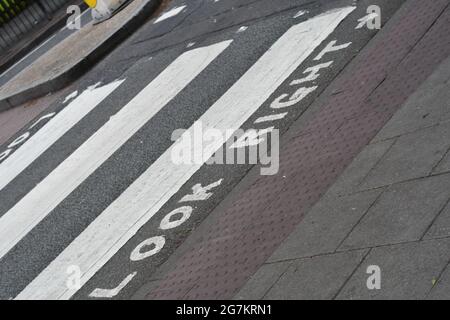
(154, 245)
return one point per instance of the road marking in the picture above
(271, 118)
(111, 293)
(364, 20)
(200, 193)
(71, 96)
(38, 203)
(98, 243)
(52, 131)
(170, 14)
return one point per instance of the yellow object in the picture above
(104, 9)
(91, 3)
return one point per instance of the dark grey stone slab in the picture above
(403, 213)
(427, 107)
(412, 156)
(316, 278)
(444, 164)
(441, 290)
(408, 271)
(326, 226)
(441, 227)
(360, 167)
(262, 281)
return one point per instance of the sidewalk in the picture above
(363, 180)
(34, 38)
(74, 55)
(390, 208)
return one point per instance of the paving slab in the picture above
(444, 164)
(441, 227)
(316, 278)
(358, 170)
(441, 290)
(263, 280)
(412, 156)
(74, 55)
(408, 271)
(428, 106)
(402, 214)
(326, 226)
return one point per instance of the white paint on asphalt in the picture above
(272, 117)
(111, 293)
(52, 131)
(242, 29)
(43, 118)
(148, 248)
(200, 193)
(38, 203)
(300, 14)
(331, 47)
(170, 14)
(366, 19)
(71, 96)
(103, 238)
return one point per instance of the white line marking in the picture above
(169, 14)
(142, 200)
(300, 13)
(52, 131)
(271, 117)
(71, 96)
(364, 20)
(111, 293)
(200, 193)
(38, 203)
(49, 115)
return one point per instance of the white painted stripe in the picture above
(169, 14)
(38, 203)
(52, 131)
(142, 200)
(271, 117)
(111, 293)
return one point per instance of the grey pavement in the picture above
(40, 49)
(70, 57)
(389, 209)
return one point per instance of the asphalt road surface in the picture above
(92, 201)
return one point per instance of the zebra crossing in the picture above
(106, 229)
